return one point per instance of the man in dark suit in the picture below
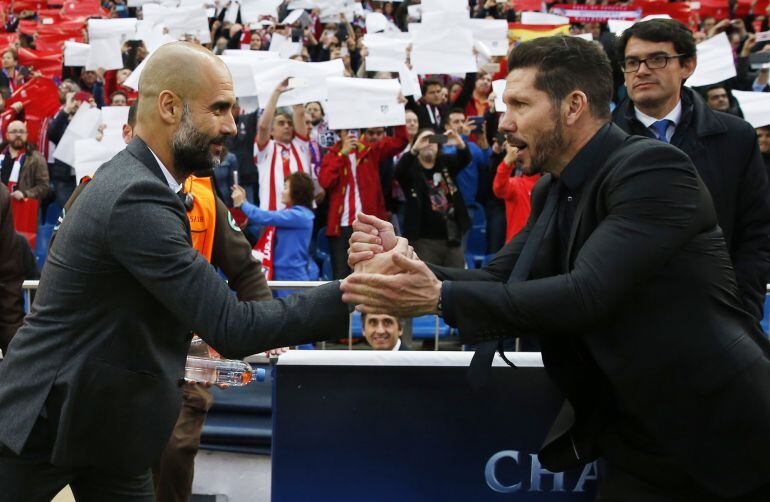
(11, 273)
(90, 390)
(657, 57)
(624, 275)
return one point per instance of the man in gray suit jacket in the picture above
(90, 391)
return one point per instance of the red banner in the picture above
(83, 7)
(27, 27)
(40, 98)
(49, 63)
(714, 8)
(579, 13)
(21, 5)
(680, 11)
(528, 5)
(25, 217)
(263, 251)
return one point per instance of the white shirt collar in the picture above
(398, 344)
(172, 182)
(674, 116)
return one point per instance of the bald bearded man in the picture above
(90, 390)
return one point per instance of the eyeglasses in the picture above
(655, 62)
(16, 131)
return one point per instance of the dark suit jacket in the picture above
(724, 149)
(102, 352)
(642, 326)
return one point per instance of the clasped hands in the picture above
(388, 276)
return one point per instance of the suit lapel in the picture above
(141, 151)
(614, 137)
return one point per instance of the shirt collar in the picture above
(584, 163)
(674, 116)
(398, 345)
(172, 182)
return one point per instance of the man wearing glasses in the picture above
(657, 56)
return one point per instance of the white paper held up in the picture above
(75, 53)
(715, 62)
(358, 102)
(755, 106)
(498, 87)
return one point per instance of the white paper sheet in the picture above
(414, 12)
(386, 53)
(180, 21)
(443, 51)
(498, 86)
(618, 26)
(114, 117)
(541, 18)
(376, 22)
(90, 154)
(252, 10)
(317, 73)
(105, 53)
(585, 36)
(358, 102)
(755, 106)
(715, 62)
(123, 28)
(493, 33)
(439, 20)
(133, 80)
(231, 14)
(250, 54)
(75, 53)
(244, 83)
(410, 84)
(84, 124)
(297, 15)
(284, 46)
(443, 5)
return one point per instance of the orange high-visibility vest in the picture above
(203, 216)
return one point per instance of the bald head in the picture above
(180, 68)
(185, 107)
(16, 134)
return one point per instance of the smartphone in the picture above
(235, 178)
(296, 35)
(438, 139)
(477, 121)
(297, 83)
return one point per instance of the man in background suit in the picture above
(623, 274)
(722, 147)
(11, 273)
(90, 391)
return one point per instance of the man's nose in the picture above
(229, 128)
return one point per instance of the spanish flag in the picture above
(518, 32)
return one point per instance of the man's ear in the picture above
(574, 106)
(688, 66)
(169, 107)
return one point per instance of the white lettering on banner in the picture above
(536, 473)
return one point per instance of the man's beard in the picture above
(18, 144)
(549, 144)
(191, 148)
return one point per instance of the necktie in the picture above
(485, 353)
(660, 127)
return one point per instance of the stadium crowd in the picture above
(446, 178)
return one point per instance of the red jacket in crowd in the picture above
(336, 177)
(515, 191)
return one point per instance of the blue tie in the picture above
(660, 127)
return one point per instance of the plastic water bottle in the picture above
(221, 371)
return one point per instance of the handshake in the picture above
(388, 277)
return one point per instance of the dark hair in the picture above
(320, 105)
(716, 86)
(122, 93)
(428, 82)
(456, 109)
(565, 64)
(659, 30)
(132, 114)
(286, 115)
(301, 189)
(422, 130)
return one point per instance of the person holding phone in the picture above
(436, 216)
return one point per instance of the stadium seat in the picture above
(476, 243)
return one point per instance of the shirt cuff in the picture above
(446, 303)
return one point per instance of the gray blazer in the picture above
(103, 350)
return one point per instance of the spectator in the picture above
(719, 98)
(63, 174)
(12, 75)
(242, 147)
(294, 226)
(11, 273)
(763, 138)
(435, 218)
(118, 98)
(722, 147)
(431, 111)
(350, 174)
(383, 332)
(287, 152)
(22, 167)
(468, 178)
(91, 82)
(320, 132)
(515, 191)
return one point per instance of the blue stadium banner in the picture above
(406, 426)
